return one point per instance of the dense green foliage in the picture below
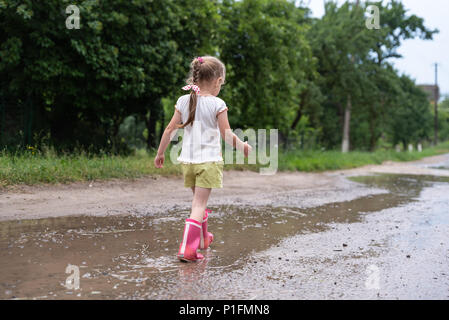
(82, 83)
(110, 86)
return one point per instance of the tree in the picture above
(354, 68)
(126, 56)
(410, 118)
(263, 45)
(395, 27)
(341, 44)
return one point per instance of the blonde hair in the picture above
(202, 69)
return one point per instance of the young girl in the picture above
(204, 119)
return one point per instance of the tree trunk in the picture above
(299, 112)
(297, 118)
(63, 121)
(162, 124)
(346, 126)
(372, 130)
(347, 121)
(151, 124)
(340, 114)
(116, 121)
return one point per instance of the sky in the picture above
(419, 56)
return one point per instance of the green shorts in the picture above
(204, 175)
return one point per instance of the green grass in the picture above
(334, 160)
(31, 167)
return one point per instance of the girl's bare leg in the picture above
(199, 203)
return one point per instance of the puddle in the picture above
(441, 167)
(134, 257)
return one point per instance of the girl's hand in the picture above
(159, 161)
(247, 149)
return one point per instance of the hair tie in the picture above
(200, 60)
(193, 87)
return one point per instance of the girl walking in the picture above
(203, 116)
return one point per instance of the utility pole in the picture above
(436, 105)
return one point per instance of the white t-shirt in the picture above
(201, 140)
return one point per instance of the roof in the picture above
(430, 90)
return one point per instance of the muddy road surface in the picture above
(376, 232)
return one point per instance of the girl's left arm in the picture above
(172, 127)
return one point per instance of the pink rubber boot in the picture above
(206, 237)
(190, 242)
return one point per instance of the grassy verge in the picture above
(30, 167)
(334, 160)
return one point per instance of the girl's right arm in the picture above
(229, 137)
(166, 137)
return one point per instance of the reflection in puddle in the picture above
(441, 167)
(133, 257)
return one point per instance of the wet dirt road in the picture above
(381, 236)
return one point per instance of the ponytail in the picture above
(192, 109)
(193, 95)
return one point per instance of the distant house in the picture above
(429, 89)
